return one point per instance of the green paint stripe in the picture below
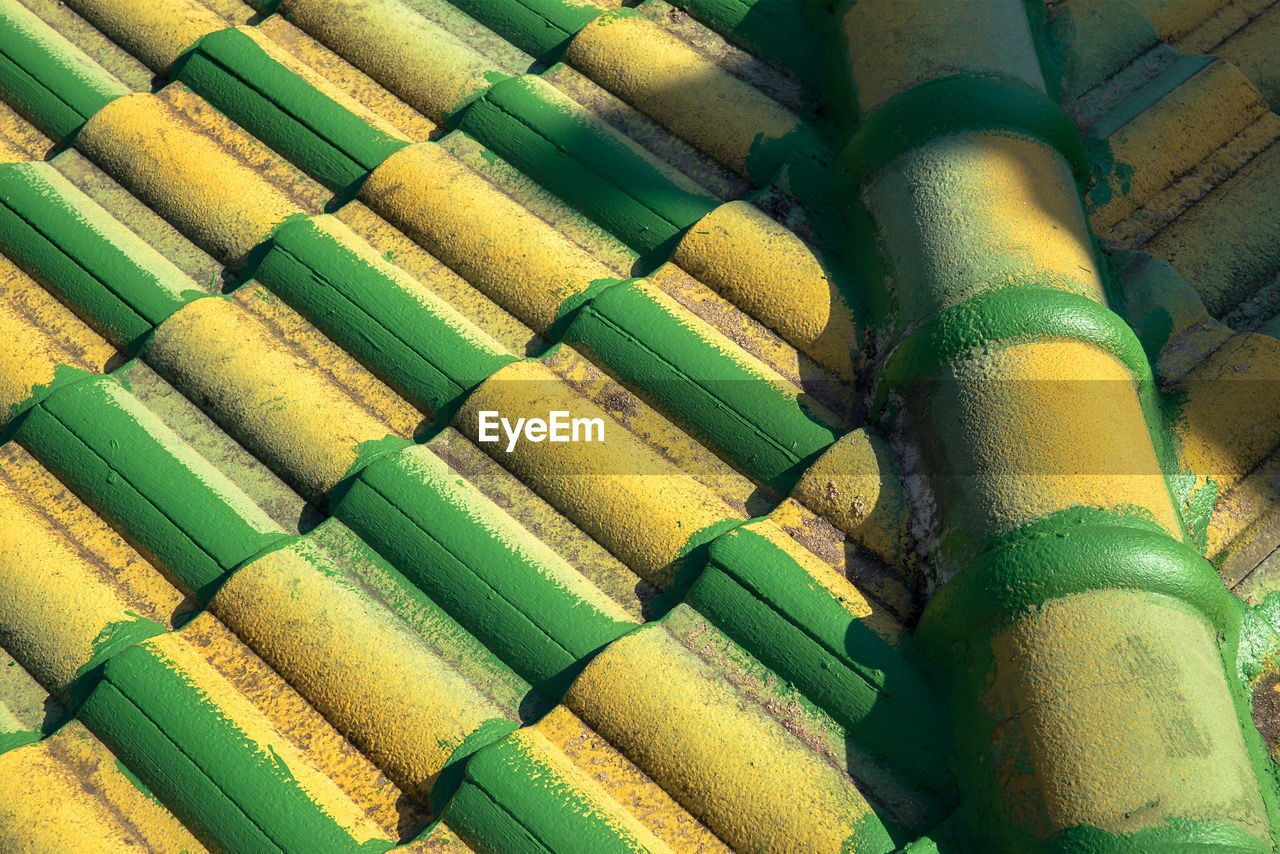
(34, 102)
(1178, 836)
(777, 31)
(470, 527)
(867, 704)
(48, 79)
(114, 318)
(54, 232)
(474, 572)
(169, 773)
(767, 433)
(453, 775)
(270, 100)
(104, 449)
(420, 350)
(1070, 559)
(485, 826)
(115, 638)
(955, 104)
(762, 599)
(550, 807)
(538, 27)
(1021, 314)
(355, 562)
(257, 782)
(1024, 314)
(140, 456)
(583, 161)
(14, 740)
(80, 468)
(442, 575)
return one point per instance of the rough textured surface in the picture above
(896, 534)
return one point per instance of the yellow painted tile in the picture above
(338, 368)
(356, 662)
(251, 152)
(517, 259)
(601, 767)
(652, 428)
(427, 67)
(201, 188)
(67, 576)
(272, 399)
(19, 140)
(155, 32)
(721, 757)
(1228, 423)
(38, 333)
(635, 503)
(397, 248)
(1253, 50)
(1177, 132)
(1113, 711)
(1225, 245)
(854, 484)
(316, 80)
(1042, 427)
(651, 69)
(895, 45)
(973, 211)
(343, 77)
(69, 794)
(772, 275)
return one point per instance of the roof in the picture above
(933, 351)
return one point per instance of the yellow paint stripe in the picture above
(273, 400)
(425, 65)
(397, 248)
(66, 575)
(1252, 49)
(991, 209)
(720, 756)
(895, 46)
(635, 503)
(601, 767)
(156, 31)
(651, 69)
(314, 79)
(68, 794)
(212, 197)
(551, 768)
(854, 485)
(19, 140)
(291, 331)
(768, 272)
(1081, 436)
(251, 152)
(891, 583)
(37, 333)
(1177, 132)
(357, 663)
(517, 259)
(652, 428)
(1228, 422)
